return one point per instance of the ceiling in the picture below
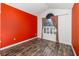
(38, 8)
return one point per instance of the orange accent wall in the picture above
(75, 27)
(16, 25)
(0, 24)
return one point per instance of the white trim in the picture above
(17, 43)
(73, 50)
(27, 41)
(59, 42)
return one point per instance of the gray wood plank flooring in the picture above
(37, 47)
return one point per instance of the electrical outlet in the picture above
(14, 38)
(0, 41)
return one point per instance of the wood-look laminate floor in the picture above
(38, 48)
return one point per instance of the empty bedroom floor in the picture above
(38, 47)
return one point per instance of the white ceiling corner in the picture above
(38, 8)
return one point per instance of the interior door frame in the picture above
(55, 20)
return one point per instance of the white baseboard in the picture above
(27, 41)
(17, 43)
(73, 50)
(60, 42)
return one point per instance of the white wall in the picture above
(0, 7)
(64, 24)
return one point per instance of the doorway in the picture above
(50, 28)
